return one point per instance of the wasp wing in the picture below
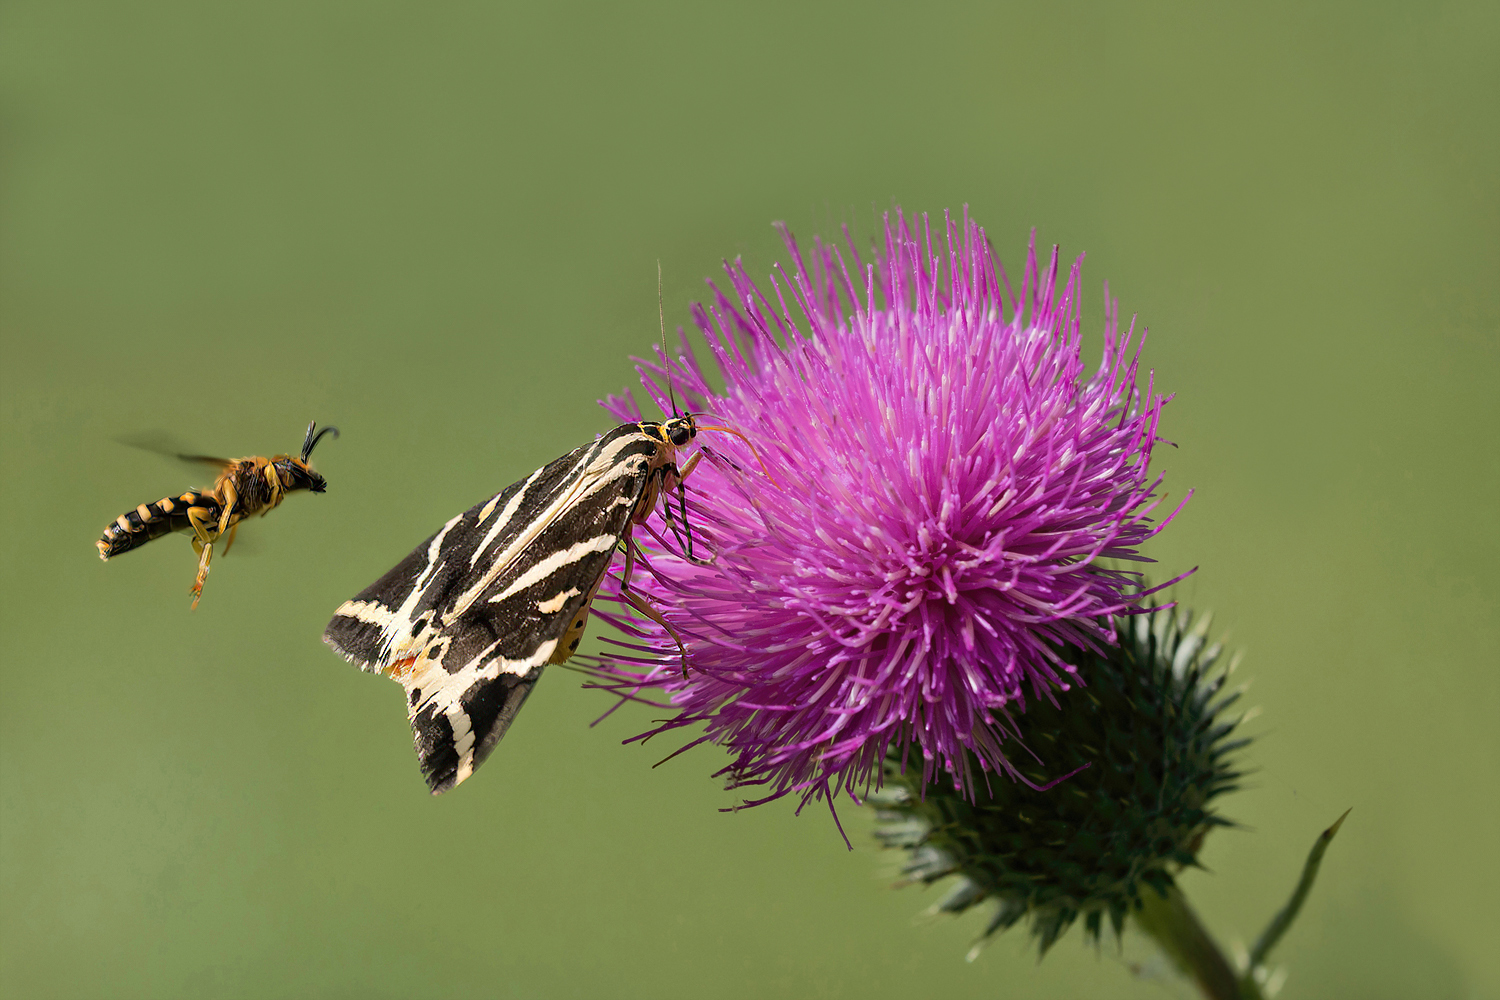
(469, 618)
(161, 443)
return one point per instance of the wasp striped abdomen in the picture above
(150, 521)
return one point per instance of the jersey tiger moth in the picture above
(469, 618)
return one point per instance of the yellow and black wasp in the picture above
(244, 487)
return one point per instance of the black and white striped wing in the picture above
(467, 620)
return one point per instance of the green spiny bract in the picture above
(1146, 721)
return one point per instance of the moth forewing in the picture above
(468, 619)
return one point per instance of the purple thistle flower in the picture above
(946, 479)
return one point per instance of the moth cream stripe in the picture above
(444, 691)
(463, 745)
(399, 627)
(629, 467)
(472, 671)
(503, 559)
(514, 505)
(371, 612)
(463, 738)
(607, 457)
(489, 508)
(505, 516)
(556, 561)
(572, 497)
(591, 482)
(553, 605)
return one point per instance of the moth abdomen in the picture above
(150, 521)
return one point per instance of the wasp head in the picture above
(296, 473)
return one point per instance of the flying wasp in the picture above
(244, 487)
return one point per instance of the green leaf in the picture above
(1283, 920)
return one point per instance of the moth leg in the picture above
(204, 533)
(687, 528)
(666, 513)
(629, 541)
(641, 605)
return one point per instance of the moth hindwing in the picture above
(468, 619)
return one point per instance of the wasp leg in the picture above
(204, 534)
(229, 539)
(197, 591)
(277, 492)
(230, 497)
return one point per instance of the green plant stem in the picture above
(1176, 929)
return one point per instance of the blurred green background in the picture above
(438, 225)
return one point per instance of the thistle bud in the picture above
(1148, 727)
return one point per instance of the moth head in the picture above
(680, 430)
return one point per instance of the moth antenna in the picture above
(312, 442)
(666, 359)
(760, 461)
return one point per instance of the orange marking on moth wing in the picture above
(400, 668)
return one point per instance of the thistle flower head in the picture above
(917, 530)
(1151, 722)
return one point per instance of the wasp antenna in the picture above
(666, 359)
(312, 442)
